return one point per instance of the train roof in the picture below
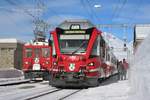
(37, 43)
(84, 24)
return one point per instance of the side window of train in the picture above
(102, 47)
(95, 48)
(108, 57)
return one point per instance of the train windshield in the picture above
(45, 52)
(73, 44)
(37, 52)
(28, 52)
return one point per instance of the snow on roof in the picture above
(142, 31)
(9, 40)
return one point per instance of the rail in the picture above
(70, 94)
(51, 92)
(42, 94)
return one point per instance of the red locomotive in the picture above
(37, 60)
(82, 55)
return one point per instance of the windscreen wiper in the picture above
(83, 43)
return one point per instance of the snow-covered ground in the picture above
(111, 91)
(22, 91)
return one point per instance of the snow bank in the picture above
(140, 72)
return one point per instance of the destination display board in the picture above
(74, 31)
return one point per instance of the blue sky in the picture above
(15, 22)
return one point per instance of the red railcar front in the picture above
(79, 54)
(37, 60)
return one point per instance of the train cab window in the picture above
(37, 52)
(73, 44)
(45, 52)
(28, 52)
(70, 46)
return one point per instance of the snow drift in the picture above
(140, 72)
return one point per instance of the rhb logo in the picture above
(71, 66)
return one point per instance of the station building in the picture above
(11, 53)
(141, 31)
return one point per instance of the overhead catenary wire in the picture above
(16, 5)
(10, 10)
(117, 12)
(93, 12)
(43, 5)
(86, 9)
(124, 26)
(137, 8)
(116, 8)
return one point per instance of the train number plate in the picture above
(36, 66)
(39, 78)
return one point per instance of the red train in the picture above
(37, 60)
(82, 56)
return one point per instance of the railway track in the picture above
(51, 92)
(42, 94)
(70, 94)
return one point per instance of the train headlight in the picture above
(55, 63)
(46, 62)
(26, 62)
(71, 66)
(91, 64)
